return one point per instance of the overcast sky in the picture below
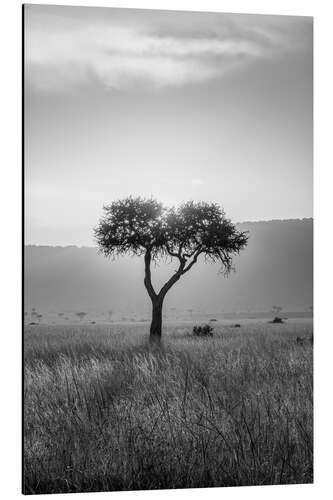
(177, 105)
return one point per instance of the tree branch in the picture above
(195, 258)
(170, 252)
(147, 280)
(189, 255)
(180, 271)
(173, 278)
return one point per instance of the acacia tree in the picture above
(81, 315)
(143, 227)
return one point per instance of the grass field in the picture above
(105, 412)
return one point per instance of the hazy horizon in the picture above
(175, 105)
(255, 222)
(275, 268)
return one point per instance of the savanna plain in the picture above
(105, 411)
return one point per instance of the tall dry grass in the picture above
(105, 412)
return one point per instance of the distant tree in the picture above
(81, 315)
(143, 227)
(110, 314)
(34, 315)
(39, 317)
(60, 314)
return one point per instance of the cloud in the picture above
(62, 53)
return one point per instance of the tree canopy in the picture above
(137, 225)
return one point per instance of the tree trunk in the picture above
(156, 323)
(157, 299)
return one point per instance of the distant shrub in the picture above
(236, 325)
(277, 320)
(202, 331)
(213, 319)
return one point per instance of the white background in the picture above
(10, 246)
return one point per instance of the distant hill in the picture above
(275, 269)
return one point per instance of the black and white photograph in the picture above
(168, 249)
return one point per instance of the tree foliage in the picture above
(136, 226)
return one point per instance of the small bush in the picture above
(203, 331)
(277, 320)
